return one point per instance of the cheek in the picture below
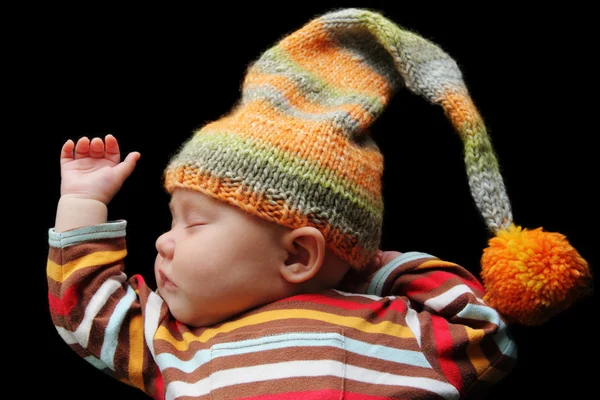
(190, 258)
(258, 244)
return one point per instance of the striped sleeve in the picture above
(462, 337)
(96, 309)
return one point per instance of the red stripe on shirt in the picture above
(435, 280)
(63, 306)
(159, 387)
(379, 307)
(317, 395)
(445, 346)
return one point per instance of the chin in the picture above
(204, 321)
(193, 321)
(196, 321)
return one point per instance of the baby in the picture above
(246, 307)
(251, 261)
(270, 281)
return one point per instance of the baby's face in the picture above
(216, 261)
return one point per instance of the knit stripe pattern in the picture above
(297, 150)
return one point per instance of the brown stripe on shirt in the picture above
(293, 354)
(393, 283)
(285, 385)
(86, 291)
(461, 350)
(391, 367)
(68, 254)
(174, 374)
(98, 329)
(391, 392)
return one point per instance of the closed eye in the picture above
(195, 225)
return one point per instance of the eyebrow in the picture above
(189, 205)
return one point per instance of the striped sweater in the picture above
(415, 328)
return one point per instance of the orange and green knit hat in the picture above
(296, 150)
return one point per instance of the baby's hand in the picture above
(382, 258)
(91, 170)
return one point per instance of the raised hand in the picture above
(93, 169)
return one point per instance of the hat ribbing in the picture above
(296, 149)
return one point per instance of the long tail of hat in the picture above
(431, 73)
(530, 275)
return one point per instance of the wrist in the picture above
(74, 212)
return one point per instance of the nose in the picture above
(165, 245)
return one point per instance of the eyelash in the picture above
(187, 226)
(194, 225)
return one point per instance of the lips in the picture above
(165, 282)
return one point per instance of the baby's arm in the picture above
(462, 337)
(96, 309)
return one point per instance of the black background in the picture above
(151, 75)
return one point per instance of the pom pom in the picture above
(531, 275)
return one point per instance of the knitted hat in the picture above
(296, 150)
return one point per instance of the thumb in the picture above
(126, 167)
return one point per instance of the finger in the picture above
(128, 165)
(96, 148)
(389, 256)
(66, 153)
(82, 148)
(378, 257)
(112, 149)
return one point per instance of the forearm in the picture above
(74, 212)
(467, 340)
(95, 308)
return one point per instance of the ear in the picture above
(306, 252)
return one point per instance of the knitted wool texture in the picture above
(296, 149)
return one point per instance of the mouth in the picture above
(165, 282)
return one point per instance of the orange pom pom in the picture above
(531, 275)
